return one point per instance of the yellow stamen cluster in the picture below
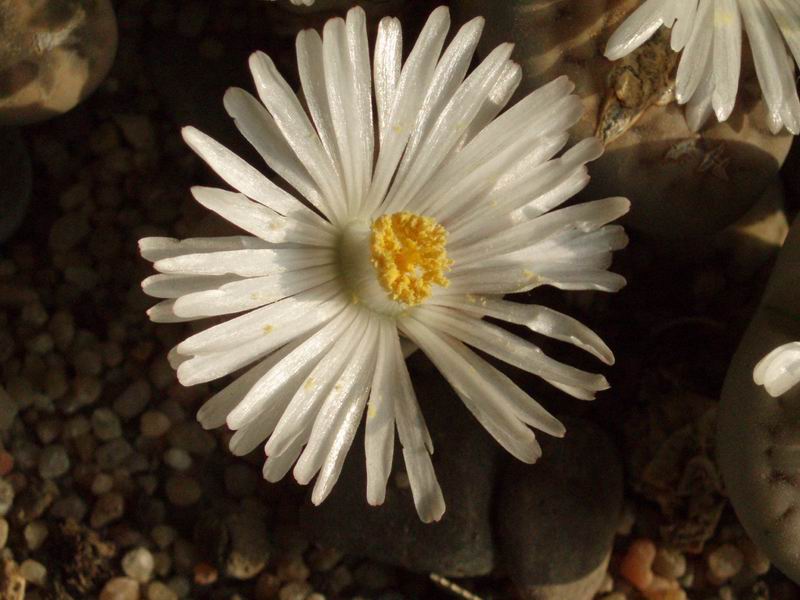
(408, 253)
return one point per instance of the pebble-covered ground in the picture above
(108, 486)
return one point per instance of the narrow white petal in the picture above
(428, 498)
(312, 77)
(207, 367)
(259, 128)
(540, 319)
(693, 60)
(773, 66)
(256, 323)
(299, 416)
(339, 447)
(279, 384)
(727, 56)
(686, 11)
(386, 68)
(496, 101)
(379, 434)
(252, 293)
(246, 263)
(240, 175)
(157, 248)
(164, 312)
(787, 16)
(448, 128)
(415, 79)
(505, 346)
(216, 409)
(779, 371)
(475, 391)
(260, 220)
(637, 29)
(700, 105)
(174, 286)
(292, 120)
(335, 414)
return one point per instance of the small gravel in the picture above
(106, 424)
(53, 462)
(138, 564)
(120, 588)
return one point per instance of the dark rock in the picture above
(556, 519)
(15, 173)
(465, 459)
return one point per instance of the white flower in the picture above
(421, 222)
(779, 371)
(710, 34)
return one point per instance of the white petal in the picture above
(506, 346)
(251, 293)
(386, 68)
(476, 393)
(540, 319)
(260, 220)
(156, 248)
(256, 124)
(685, 11)
(636, 29)
(379, 434)
(305, 405)
(693, 61)
(428, 498)
(240, 175)
(292, 120)
(216, 409)
(587, 216)
(279, 384)
(256, 323)
(246, 263)
(207, 367)
(340, 414)
(174, 286)
(779, 371)
(448, 127)
(727, 53)
(163, 313)
(343, 439)
(414, 81)
(773, 66)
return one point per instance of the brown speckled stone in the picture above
(53, 53)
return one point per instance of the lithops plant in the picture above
(759, 419)
(683, 184)
(53, 53)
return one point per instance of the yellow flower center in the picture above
(408, 253)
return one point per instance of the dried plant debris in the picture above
(636, 82)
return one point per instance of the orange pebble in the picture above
(662, 588)
(6, 463)
(637, 564)
(205, 573)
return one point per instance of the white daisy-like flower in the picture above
(779, 371)
(407, 228)
(709, 32)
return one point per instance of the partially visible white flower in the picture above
(709, 32)
(412, 227)
(779, 371)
